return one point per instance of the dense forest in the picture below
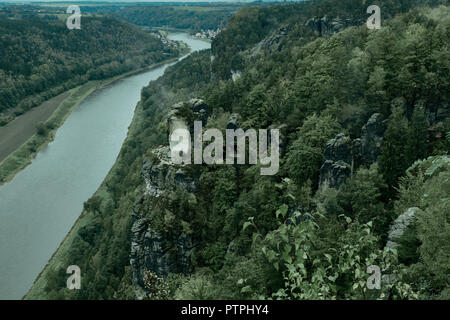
(189, 18)
(372, 104)
(41, 58)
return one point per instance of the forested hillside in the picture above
(364, 167)
(40, 59)
(188, 18)
(303, 21)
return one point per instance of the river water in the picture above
(40, 205)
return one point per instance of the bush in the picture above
(197, 287)
(41, 129)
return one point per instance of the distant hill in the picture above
(41, 58)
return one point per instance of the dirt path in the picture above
(18, 131)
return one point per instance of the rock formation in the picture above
(342, 156)
(372, 139)
(337, 160)
(326, 26)
(233, 121)
(154, 249)
(400, 225)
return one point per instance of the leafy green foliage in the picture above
(393, 158)
(337, 272)
(198, 287)
(425, 247)
(417, 139)
(305, 154)
(361, 199)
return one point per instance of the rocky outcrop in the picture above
(158, 252)
(197, 109)
(271, 43)
(400, 225)
(326, 26)
(274, 41)
(235, 74)
(233, 122)
(333, 174)
(161, 175)
(337, 160)
(338, 149)
(372, 139)
(154, 249)
(439, 113)
(342, 155)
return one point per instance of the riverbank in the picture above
(56, 262)
(52, 274)
(26, 142)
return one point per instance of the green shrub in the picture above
(196, 287)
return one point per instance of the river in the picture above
(40, 205)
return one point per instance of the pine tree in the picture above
(393, 160)
(417, 140)
(361, 198)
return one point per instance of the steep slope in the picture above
(338, 100)
(355, 108)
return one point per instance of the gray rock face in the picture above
(272, 43)
(334, 174)
(339, 148)
(200, 112)
(327, 26)
(198, 105)
(235, 74)
(233, 122)
(337, 159)
(157, 252)
(154, 250)
(400, 225)
(161, 175)
(439, 113)
(342, 156)
(372, 139)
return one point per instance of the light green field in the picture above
(23, 156)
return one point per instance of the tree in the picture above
(304, 157)
(393, 161)
(41, 129)
(417, 140)
(361, 199)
